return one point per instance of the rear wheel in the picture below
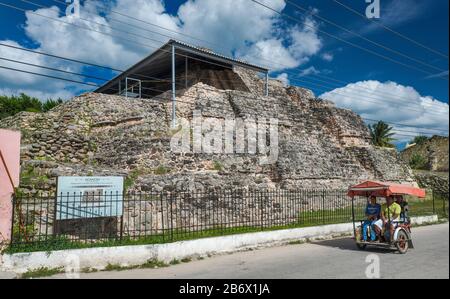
(402, 242)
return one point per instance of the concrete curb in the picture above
(125, 256)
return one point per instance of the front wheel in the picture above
(361, 246)
(402, 242)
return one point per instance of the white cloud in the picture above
(305, 41)
(327, 57)
(309, 71)
(284, 78)
(395, 103)
(294, 49)
(229, 24)
(15, 82)
(42, 95)
(71, 41)
(239, 27)
(263, 52)
(14, 78)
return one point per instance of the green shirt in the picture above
(389, 212)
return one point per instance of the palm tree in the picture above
(381, 134)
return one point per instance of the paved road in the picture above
(326, 259)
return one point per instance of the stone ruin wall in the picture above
(320, 146)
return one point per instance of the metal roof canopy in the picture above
(158, 64)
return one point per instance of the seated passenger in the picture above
(373, 210)
(390, 214)
(404, 205)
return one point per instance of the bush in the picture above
(417, 161)
(420, 139)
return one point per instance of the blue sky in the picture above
(302, 52)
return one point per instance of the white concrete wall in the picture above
(99, 258)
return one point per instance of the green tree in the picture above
(11, 105)
(50, 104)
(417, 161)
(419, 139)
(381, 134)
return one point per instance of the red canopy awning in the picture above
(380, 189)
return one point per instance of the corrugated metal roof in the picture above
(206, 51)
(187, 47)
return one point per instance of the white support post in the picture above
(140, 89)
(174, 97)
(267, 84)
(186, 74)
(126, 87)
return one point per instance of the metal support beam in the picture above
(174, 97)
(267, 84)
(140, 89)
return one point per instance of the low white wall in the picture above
(99, 258)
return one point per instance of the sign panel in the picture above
(89, 197)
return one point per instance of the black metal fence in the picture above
(440, 203)
(86, 219)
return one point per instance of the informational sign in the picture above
(89, 197)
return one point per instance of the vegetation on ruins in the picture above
(418, 162)
(419, 139)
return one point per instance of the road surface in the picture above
(337, 258)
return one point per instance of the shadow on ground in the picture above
(349, 244)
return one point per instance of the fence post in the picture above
(323, 207)
(13, 201)
(262, 208)
(433, 197)
(443, 205)
(161, 194)
(172, 196)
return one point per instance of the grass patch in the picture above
(419, 207)
(298, 242)
(115, 267)
(153, 263)
(41, 272)
(217, 166)
(174, 262)
(131, 178)
(186, 260)
(161, 170)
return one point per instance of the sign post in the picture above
(9, 179)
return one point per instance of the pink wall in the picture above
(10, 147)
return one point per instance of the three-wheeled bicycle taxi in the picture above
(400, 227)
